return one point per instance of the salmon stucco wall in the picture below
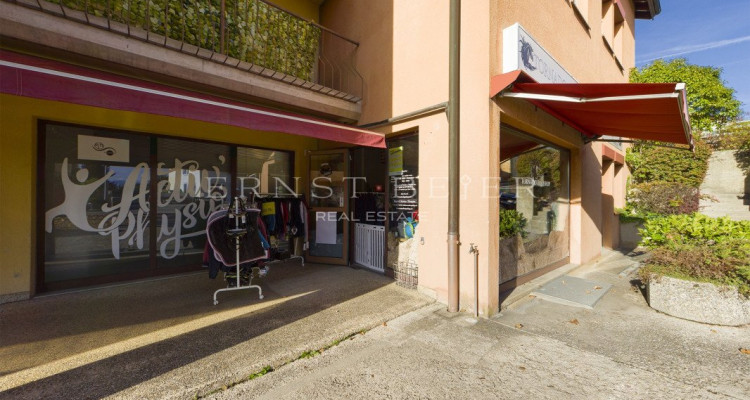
(407, 71)
(579, 47)
(18, 165)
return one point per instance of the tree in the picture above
(711, 104)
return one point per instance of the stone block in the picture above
(698, 301)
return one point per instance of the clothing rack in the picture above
(261, 197)
(238, 212)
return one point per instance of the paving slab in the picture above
(573, 291)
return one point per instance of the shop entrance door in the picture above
(329, 207)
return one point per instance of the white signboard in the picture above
(325, 227)
(521, 51)
(103, 149)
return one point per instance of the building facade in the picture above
(346, 106)
(570, 197)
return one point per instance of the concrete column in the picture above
(608, 204)
(478, 162)
(591, 203)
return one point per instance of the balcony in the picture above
(251, 36)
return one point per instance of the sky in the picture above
(712, 33)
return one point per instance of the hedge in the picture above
(255, 32)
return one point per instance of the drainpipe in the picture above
(453, 154)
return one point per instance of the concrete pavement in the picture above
(165, 339)
(535, 349)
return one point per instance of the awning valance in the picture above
(28, 76)
(645, 111)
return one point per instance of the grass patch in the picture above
(308, 354)
(263, 371)
(626, 219)
(630, 215)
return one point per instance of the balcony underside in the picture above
(156, 59)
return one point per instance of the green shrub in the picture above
(667, 198)
(723, 263)
(629, 215)
(735, 136)
(512, 223)
(697, 229)
(650, 163)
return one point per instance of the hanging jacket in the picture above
(269, 216)
(296, 224)
(251, 246)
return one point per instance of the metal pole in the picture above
(474, 250)
(453, 154)
(223, 27)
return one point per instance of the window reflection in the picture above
(534, 202)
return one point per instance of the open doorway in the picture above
(385, 208)
(368, 204)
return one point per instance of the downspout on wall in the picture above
(453, 154)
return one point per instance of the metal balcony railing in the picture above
(252, 35)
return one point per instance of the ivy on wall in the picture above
(255, 32)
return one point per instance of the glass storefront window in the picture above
(327, 180)
(193, 181)
(265, 171)
(328, 205)
(96, 204)
(403, 180)
(97, 196)
(330, 242)
(534, 195)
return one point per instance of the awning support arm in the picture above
(404, 117)
(569, 99)
(669, 146)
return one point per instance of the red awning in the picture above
(646, 111)
(27, 76)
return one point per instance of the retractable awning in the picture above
(28, 76)
(645, 111)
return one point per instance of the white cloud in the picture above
(681, 50)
